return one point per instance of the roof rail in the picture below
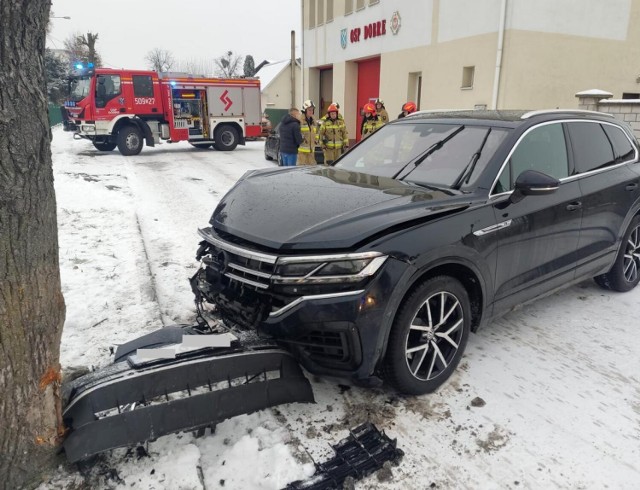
(565, 111)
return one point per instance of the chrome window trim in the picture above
(301, 299)
(569, 178)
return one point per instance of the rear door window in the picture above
(591, 146)
(142, 86)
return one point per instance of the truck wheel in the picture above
(107, 145)
(226, 138)
(625, 273)
(130, 140)
(428, 336)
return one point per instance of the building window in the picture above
(348, 7)
(320, 12)
(630, 95)
(467, 76)
(359, 4)
(312, 14)
(329, 10)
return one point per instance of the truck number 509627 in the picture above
(145, 100)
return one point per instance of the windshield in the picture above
(398, 150)
(79, 88)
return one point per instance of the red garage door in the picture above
(368, 85)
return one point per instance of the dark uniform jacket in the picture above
(290, 134)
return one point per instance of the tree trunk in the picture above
(31, 305)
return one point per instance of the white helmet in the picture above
(308, 103)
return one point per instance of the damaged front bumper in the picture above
(137, 400)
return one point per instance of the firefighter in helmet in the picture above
(306, 150)
(407, 108)
(333, 135)
(383, 115)
(371, 120)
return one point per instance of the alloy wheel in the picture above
(434, 336)
(631, 263)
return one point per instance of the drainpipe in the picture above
(496, 78)
(293, 69)
(302, 56)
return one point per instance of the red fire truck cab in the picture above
(126, 108)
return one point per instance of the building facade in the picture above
(465, 54)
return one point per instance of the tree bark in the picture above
(31, 305)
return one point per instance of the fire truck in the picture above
(127, 108)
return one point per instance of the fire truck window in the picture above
(107, 88)
(142, 86)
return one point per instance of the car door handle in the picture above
(574, 205)
(631, 187)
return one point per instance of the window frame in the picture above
(571, 177)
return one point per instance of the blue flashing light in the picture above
(79, 66)
(90, 65)
(172, 83)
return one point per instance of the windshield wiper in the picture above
(469, 167)
(432, 149)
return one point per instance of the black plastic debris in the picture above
(363, 452)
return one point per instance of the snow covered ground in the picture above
(546, 397)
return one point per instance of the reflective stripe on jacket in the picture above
(370, 125)
(333, 134)
(308, 129)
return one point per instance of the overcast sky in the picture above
(205, 30)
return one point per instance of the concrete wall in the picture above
(622, 109)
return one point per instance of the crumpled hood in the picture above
(323, 207)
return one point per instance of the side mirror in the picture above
(533, 183)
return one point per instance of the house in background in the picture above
(276, 88)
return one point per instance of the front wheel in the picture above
(625, 273)
(226, 138)
(428, 336)
(130, 140)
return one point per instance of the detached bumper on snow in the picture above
(134, 400)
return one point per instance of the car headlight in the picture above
(327, 269)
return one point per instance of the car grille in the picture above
(243, 265)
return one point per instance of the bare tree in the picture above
(228, 66)
(160, 59)
(32, 309)
(82, 47)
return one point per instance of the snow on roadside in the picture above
(545, 397)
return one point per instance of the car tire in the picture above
(436, 315)
(625, 273)
(105, 145)
(130, 140)
(266, 155)
(226, 138)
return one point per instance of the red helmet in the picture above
(369, 107)
(332, 108)
(409, 107)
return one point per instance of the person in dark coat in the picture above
(290, 138)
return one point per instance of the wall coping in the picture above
(595, 92)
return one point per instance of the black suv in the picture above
(383, 263)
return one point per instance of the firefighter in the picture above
(382, 112)
(306, 155)
(407, 108)
(371, 120)
(333, 135)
